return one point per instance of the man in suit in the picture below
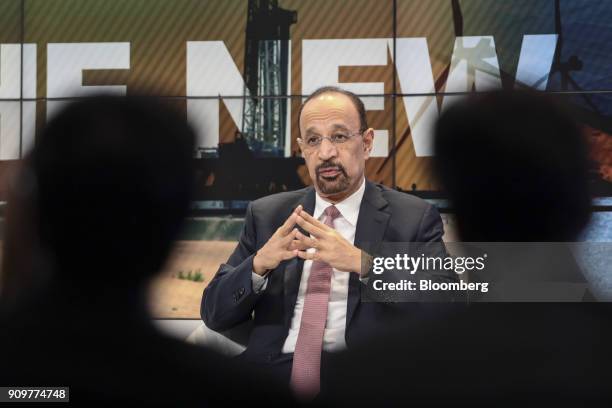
(297, 268)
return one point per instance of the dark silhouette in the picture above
(93, 216)
(514, 166)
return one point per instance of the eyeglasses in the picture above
(337, 138)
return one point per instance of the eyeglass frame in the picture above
(318, 145)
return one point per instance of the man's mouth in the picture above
(329, 172)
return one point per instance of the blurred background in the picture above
(240, 69)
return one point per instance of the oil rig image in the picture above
(254, 163)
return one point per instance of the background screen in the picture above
(240, 70)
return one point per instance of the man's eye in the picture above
(339, 137)
(313, 141)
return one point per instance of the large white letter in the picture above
(28, 112)
(10, 71)
(415, 77)
(474, 66)
(12, 145)
(10, 78)
(211, 71)
(321, 60)
(537, 53)
(66, 62)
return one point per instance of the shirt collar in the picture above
(349, 207)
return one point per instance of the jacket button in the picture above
(241, 291)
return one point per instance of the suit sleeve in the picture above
(430, 234)
(229, 299)
(431, 228)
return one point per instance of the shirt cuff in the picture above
(258, 282)
(366, 265)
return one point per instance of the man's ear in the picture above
(368, 142)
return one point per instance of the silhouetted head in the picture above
(113, 178)
(515, 167)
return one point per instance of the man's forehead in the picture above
(330, 109)
(333, 126)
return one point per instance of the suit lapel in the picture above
(371, 226)
(293, 268)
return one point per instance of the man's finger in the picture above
(307, 241)
(297, 244)
(313, 221)
(288, 224)
(307, 255)
(286, 255)
(314, 230)
(286, 240)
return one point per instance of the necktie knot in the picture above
(331, 212)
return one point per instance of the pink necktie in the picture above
(306, 370)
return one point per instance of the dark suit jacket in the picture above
(385, 215)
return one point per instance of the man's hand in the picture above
(277, 249)
(330, 247)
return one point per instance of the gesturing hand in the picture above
(330, 247)
(277, 249)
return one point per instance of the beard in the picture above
(332, 185)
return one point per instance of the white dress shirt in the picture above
(335, 326)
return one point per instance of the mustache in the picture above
(328, 165)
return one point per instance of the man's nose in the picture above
(327, 150)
